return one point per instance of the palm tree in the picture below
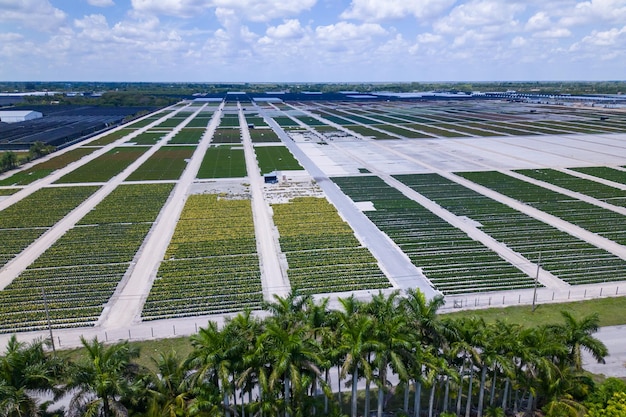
(103, 380)
(25, 369)
(212, 358)
(356, 343)
(294, 359)
(169, 387)
(577, 335)
(393, 337)
(430, 335)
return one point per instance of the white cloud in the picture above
(291, 29)
(36, 14)
(491, 15)
(538, 21)
(594, 11)
(265, 10)
(553, 33)
(377, 10)
(608, 38)
(254, 10)
(345, 31)
(101, 3)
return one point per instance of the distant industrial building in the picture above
(15, 116)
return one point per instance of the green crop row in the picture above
(223, 162)
(211, 265)
(189, 136)
(105, 166)
(275, 158)
(43, 169)
(168, 163)
(322, 252)
(451, 260)
(604, 222)
(571, 259)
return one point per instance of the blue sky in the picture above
(312, 40)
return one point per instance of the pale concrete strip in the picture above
(273, 278)
(569, 193)
(17, 265)
(124, 308)
(582, 175)
(397, 266)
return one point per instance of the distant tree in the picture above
(39, 149)
(8, 160)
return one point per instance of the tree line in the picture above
(10, 159)
(287, 361)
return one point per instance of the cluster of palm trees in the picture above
(304, 359)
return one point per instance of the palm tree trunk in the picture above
(366, 413)
(339, 389)
(326, 376)
(105, 406)
(417, 403)
(481, 391)
(381, 389)
(446, 394)
(468, 405)
(530, 407)
(226, 404)
(381, 397)
(355, 378)
(287, 395)
(406, 398)
(460, 395)
(431, 399)
(505, 394)
(492, 395)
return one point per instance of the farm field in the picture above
(443, 170)
(211, 265)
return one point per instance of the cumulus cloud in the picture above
(378, 10)
(486, 14)
(101, 3)
(291, 29)
(254, 10)
(607, 38)
(345, 31)
(594, 10)
(36, 14)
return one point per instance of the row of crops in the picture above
(598, 220)
(43, 169)
(223, 161)
(81, 270)
(104, 167)
(273, 158)
(450, 259)
(565, 256)
(383, 121)
(167, 163)
(321, 250)
(23, 222)
(211, 265)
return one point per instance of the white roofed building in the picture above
(14, 116)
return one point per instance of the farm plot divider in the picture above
(606, 223)
(567, 257)
(450, 259)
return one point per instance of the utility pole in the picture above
(45, 303)
(536, 282)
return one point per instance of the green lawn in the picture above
(223, 162)
(275, 158)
